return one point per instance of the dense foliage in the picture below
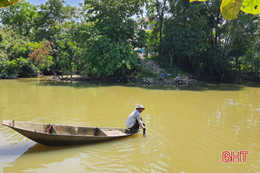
(200, 41)
(99, 38)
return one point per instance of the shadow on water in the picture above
(43, 155)
(39, 148)
(204, 87)
(253, 84)
(214, 87)
(75, 84)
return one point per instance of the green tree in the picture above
(20, 17)
(108, 58)
(13, 45)
(243, 35)
(198, 40)
(109, 51)
(156, 11)
(53, 18)
(68, 54)
(185, 35)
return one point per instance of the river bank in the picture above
(148, 76)
(152, 80)
(129, 80)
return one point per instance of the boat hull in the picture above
(63, 134)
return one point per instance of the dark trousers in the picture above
(135, 127)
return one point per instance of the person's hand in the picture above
(144, 131)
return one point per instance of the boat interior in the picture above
(64, 129)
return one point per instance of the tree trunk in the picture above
(71, 69)
(171, 54)
(161, 19)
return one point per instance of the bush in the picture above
(144, 73)
(9, 69)
(26, 68)
(19, 67)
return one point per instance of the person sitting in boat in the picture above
(134, 120)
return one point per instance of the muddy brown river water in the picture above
(187, 129)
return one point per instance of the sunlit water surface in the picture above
(187, 129)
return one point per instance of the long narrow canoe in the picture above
(54, 134)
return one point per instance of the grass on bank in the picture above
(170, 70)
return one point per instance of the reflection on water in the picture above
(187, 129)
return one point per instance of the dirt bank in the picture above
(147, 65)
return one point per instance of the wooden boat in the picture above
(54, 134)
